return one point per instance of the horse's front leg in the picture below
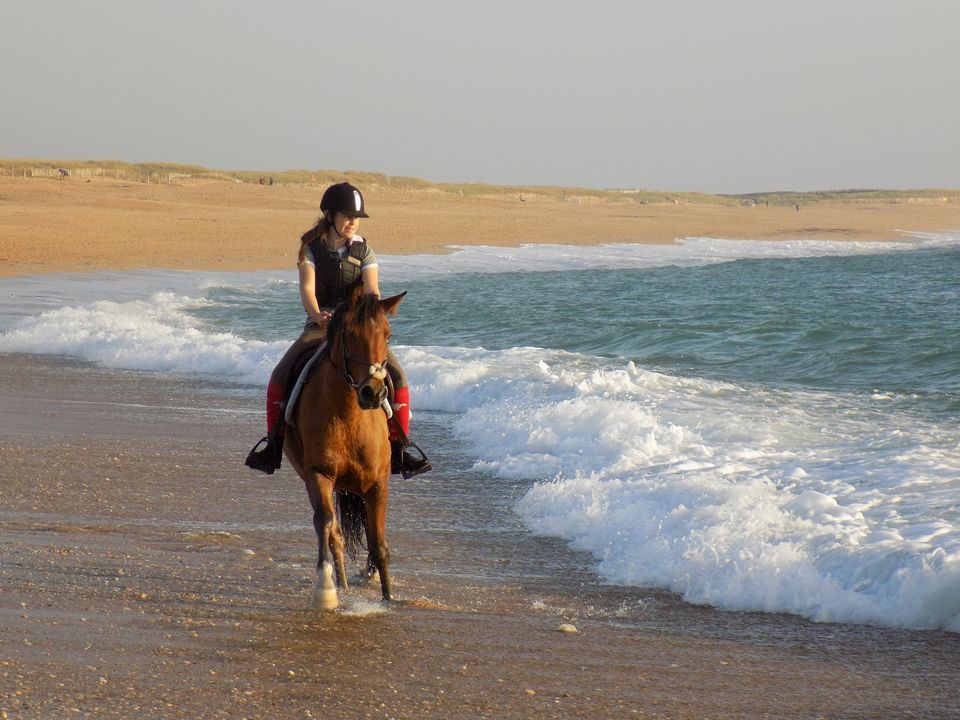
(336, 547)
(329, 542)
(379, 552)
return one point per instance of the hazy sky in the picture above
(701, 95)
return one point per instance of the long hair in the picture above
(318, 230)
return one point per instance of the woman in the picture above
(332, 259)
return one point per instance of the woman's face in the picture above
(345, 225)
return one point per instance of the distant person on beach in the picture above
(333, 258)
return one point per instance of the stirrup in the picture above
(409, 464)
(267, 458)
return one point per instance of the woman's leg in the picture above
(268, 458)
(280, 378)
(401, 396)
(404, 461)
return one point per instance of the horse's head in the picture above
(358, 336)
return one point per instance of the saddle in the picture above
(303, 368)
(406, 456)
(299, 374)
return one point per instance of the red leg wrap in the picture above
(401, 411)
(275, 407)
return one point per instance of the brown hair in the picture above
(318, 230)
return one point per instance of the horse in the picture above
(338, 443)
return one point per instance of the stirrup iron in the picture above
(267, 458)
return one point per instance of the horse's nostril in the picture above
(371, 397)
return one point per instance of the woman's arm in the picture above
(308, 295)
(371, 281)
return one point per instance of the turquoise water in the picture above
(756, 426)
(884, 322)
(864, 323)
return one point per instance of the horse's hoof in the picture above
(324, 591)
(364, 577)
(324, 599)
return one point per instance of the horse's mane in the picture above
(366, 309)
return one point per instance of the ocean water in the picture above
(769, 426)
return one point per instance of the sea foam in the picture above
(737, 497)
(832, 506)
(155, 334)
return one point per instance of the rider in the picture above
(332, 258)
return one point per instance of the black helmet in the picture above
(343, 198)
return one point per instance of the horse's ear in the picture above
(389, 305)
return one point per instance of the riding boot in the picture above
(268, 458)
(404, 461)
(406, 457)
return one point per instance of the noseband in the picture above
(367, 396)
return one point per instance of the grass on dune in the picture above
(179, 172)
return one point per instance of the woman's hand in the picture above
(322, 318)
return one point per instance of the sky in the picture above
(717, 96)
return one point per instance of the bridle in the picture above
(368, 396)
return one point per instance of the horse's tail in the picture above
(353, 521)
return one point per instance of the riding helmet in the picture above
(343, 198)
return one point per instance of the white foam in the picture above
(832, 507)
(687, 252)
(731, 496)
(155, 334)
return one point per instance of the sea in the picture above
(768, 426)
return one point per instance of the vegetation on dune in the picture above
(794, 197)
(177, 172)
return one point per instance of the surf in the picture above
(754, 426)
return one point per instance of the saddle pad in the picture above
(301, 379)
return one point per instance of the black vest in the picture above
(335, 275)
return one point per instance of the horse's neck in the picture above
(334, 396)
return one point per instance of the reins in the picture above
(366, 395)
(377, 371)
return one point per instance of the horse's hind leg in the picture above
(379, 557)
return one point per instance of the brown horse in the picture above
(339, 443)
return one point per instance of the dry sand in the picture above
(147, 574)
(73, 225)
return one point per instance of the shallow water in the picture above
(753, 426)
(138, 549)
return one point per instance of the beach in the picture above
(146, 573)
(49, 225)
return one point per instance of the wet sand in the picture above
(147, 574)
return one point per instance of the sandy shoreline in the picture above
(50, 225)
(147, 574)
